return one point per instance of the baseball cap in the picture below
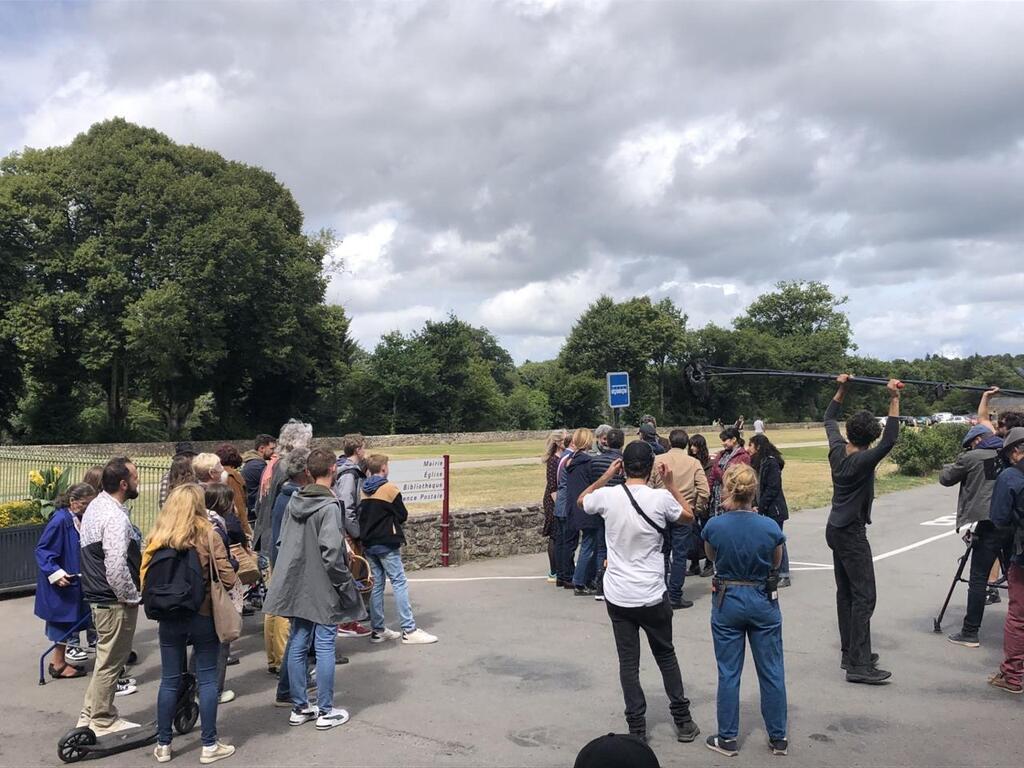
(617, 751)
(648, 430)
(977, 430)
(1014, 436)
(184, 448)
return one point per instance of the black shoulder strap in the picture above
(636, 506)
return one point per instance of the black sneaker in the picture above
(640, 736)
(687, 732)
(992, 597)
(232, 661)
(868, 675)
(845, 663)
(339, 659)
(779, 746)
(693, 570)
(709, 569)
(727, 747)
(785, 582)
(582, 591)
(964, 639)
(681, 603)
(285, 702)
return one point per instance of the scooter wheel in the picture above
(186, 716)
(71, 748)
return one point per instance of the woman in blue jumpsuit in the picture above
(745, 547)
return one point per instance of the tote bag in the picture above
(226, 618)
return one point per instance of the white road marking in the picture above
(944, 521)
(479, 578)
(915, 545)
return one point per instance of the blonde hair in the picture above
(204, 464)
(182, 520)
(582, 438)
(376, 463)
(553, 444)
(740, 485)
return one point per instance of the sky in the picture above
(512, 161)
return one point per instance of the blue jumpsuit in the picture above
(744, 544)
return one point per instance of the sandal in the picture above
(58, 674)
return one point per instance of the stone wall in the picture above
(474, 534)
(373, 441)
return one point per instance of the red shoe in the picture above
(353, 629)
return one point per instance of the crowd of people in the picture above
(328, 529)
(626, 525)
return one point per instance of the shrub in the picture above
(921, 451)
(21, 512)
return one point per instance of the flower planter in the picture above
(18, 568)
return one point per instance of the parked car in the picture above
(958, 419)
(922, 421)
(941, 416)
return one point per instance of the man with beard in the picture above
(111, 556)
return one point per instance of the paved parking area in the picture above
(525, 674)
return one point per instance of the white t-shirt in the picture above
(636, 566)
(758, 427)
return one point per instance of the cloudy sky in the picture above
(510, 161)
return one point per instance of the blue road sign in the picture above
(618, 389)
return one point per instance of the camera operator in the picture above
(975, 471)
(636, 518)
(853, 466)
(1008, 512)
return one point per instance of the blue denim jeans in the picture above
(747, 613)
(565, 549)
(784, 567)
(587, 565)
(389, 564)
(321, 636)
(677, 560)
(174, 635)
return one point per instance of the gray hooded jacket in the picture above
(975, 471)
(311, 579)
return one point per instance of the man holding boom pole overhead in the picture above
(853, 462)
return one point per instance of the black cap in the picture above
(617, 751)
(648, 430)
(184, 448)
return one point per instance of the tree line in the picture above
(152, 290)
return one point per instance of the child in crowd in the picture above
(381, 515)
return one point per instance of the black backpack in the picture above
(174, 587)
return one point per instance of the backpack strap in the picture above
(642, 514)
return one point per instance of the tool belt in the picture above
(720, 586)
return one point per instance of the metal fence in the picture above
(16, 464)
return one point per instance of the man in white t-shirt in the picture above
(635, 519)
(758, 426)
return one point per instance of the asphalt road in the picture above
(524, 675)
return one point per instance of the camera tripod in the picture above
(968, 538)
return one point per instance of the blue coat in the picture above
(59, 548)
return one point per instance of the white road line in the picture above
(915, 545)
(812, 565)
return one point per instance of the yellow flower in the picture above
(57, 472)
(35, 478)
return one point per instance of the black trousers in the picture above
(656, 622)
(988, 544)
(855, 590)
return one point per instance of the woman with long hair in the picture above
(553, 451)
(768, 463)
(745, 548)
(181, 472)
(231, 460)
(183, 525)
(732, 453)
(59, 599)
(698, 448)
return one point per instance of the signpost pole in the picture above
(445, 517)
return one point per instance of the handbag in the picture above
(226, 618)
(248, 568)
(666, 535)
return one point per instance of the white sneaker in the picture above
(302, 716)
(383, 635)
(124, 688)
(217, 752)
(162, 753)
(75, 655)
(225, 697)
(331, 719)
(116, 727)
(418, 637)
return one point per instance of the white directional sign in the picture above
(419, 479)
